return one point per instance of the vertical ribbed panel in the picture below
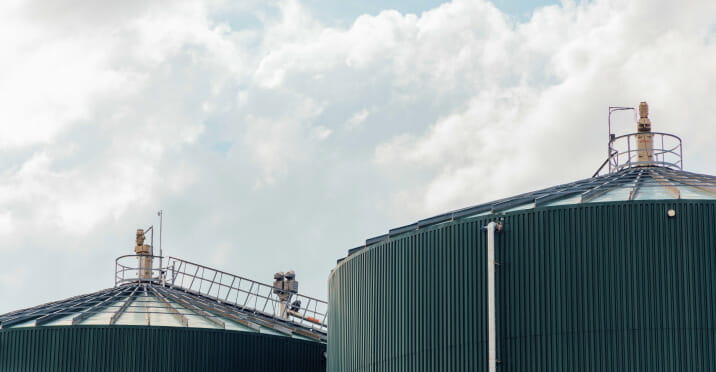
(613, 287)
(134, 348)
(590, 287)
(412, 303)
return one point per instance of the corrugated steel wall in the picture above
(130, 348)
(589, 287)
(396, 306)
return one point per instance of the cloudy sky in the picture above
(276, 135)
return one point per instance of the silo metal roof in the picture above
(146, 304)
(185, 300)
(627, 184)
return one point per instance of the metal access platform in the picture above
(643, 148)
(217, 293)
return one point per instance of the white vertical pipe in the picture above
(491, 322)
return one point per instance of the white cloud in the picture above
(321, 133)
(324, 134)
(5, 222)
(357, 119)
(524, 129)
(275, 143)
(86, 112)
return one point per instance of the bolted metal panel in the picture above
(587, 287)
(135, 348)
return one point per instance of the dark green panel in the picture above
(395, 306)
(130, 348)
(589, 287)
(609, 287)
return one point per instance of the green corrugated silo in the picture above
(176, 317)
(610, 273)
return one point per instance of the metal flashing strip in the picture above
(635, 189)
(50, 306)
(99, 306)
(282, 329)
(434, 220)
(77, 307)
(546, 199)
(376, 239)
(355, 250)
(258, 300)
(15, 313)
(204, 304)
(707, 186)
(569, 190)
(223, 310)
(609, 184)
(403, 229)
(531, 197)
(146, 300)
(124, 307)
(667, 184)
(509, 204)
(471, 211)
(174, 312)
(252, 320)
(704, 181)
(39, 311)
(190, 306)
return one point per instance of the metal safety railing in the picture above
(129, 269)
(247, 294)
(624, 152)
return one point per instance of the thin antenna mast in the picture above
(161, 253)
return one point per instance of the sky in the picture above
(276, 135)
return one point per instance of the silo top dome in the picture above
(182, 294)
(644, 165)
(627, 184)
(636, 183)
